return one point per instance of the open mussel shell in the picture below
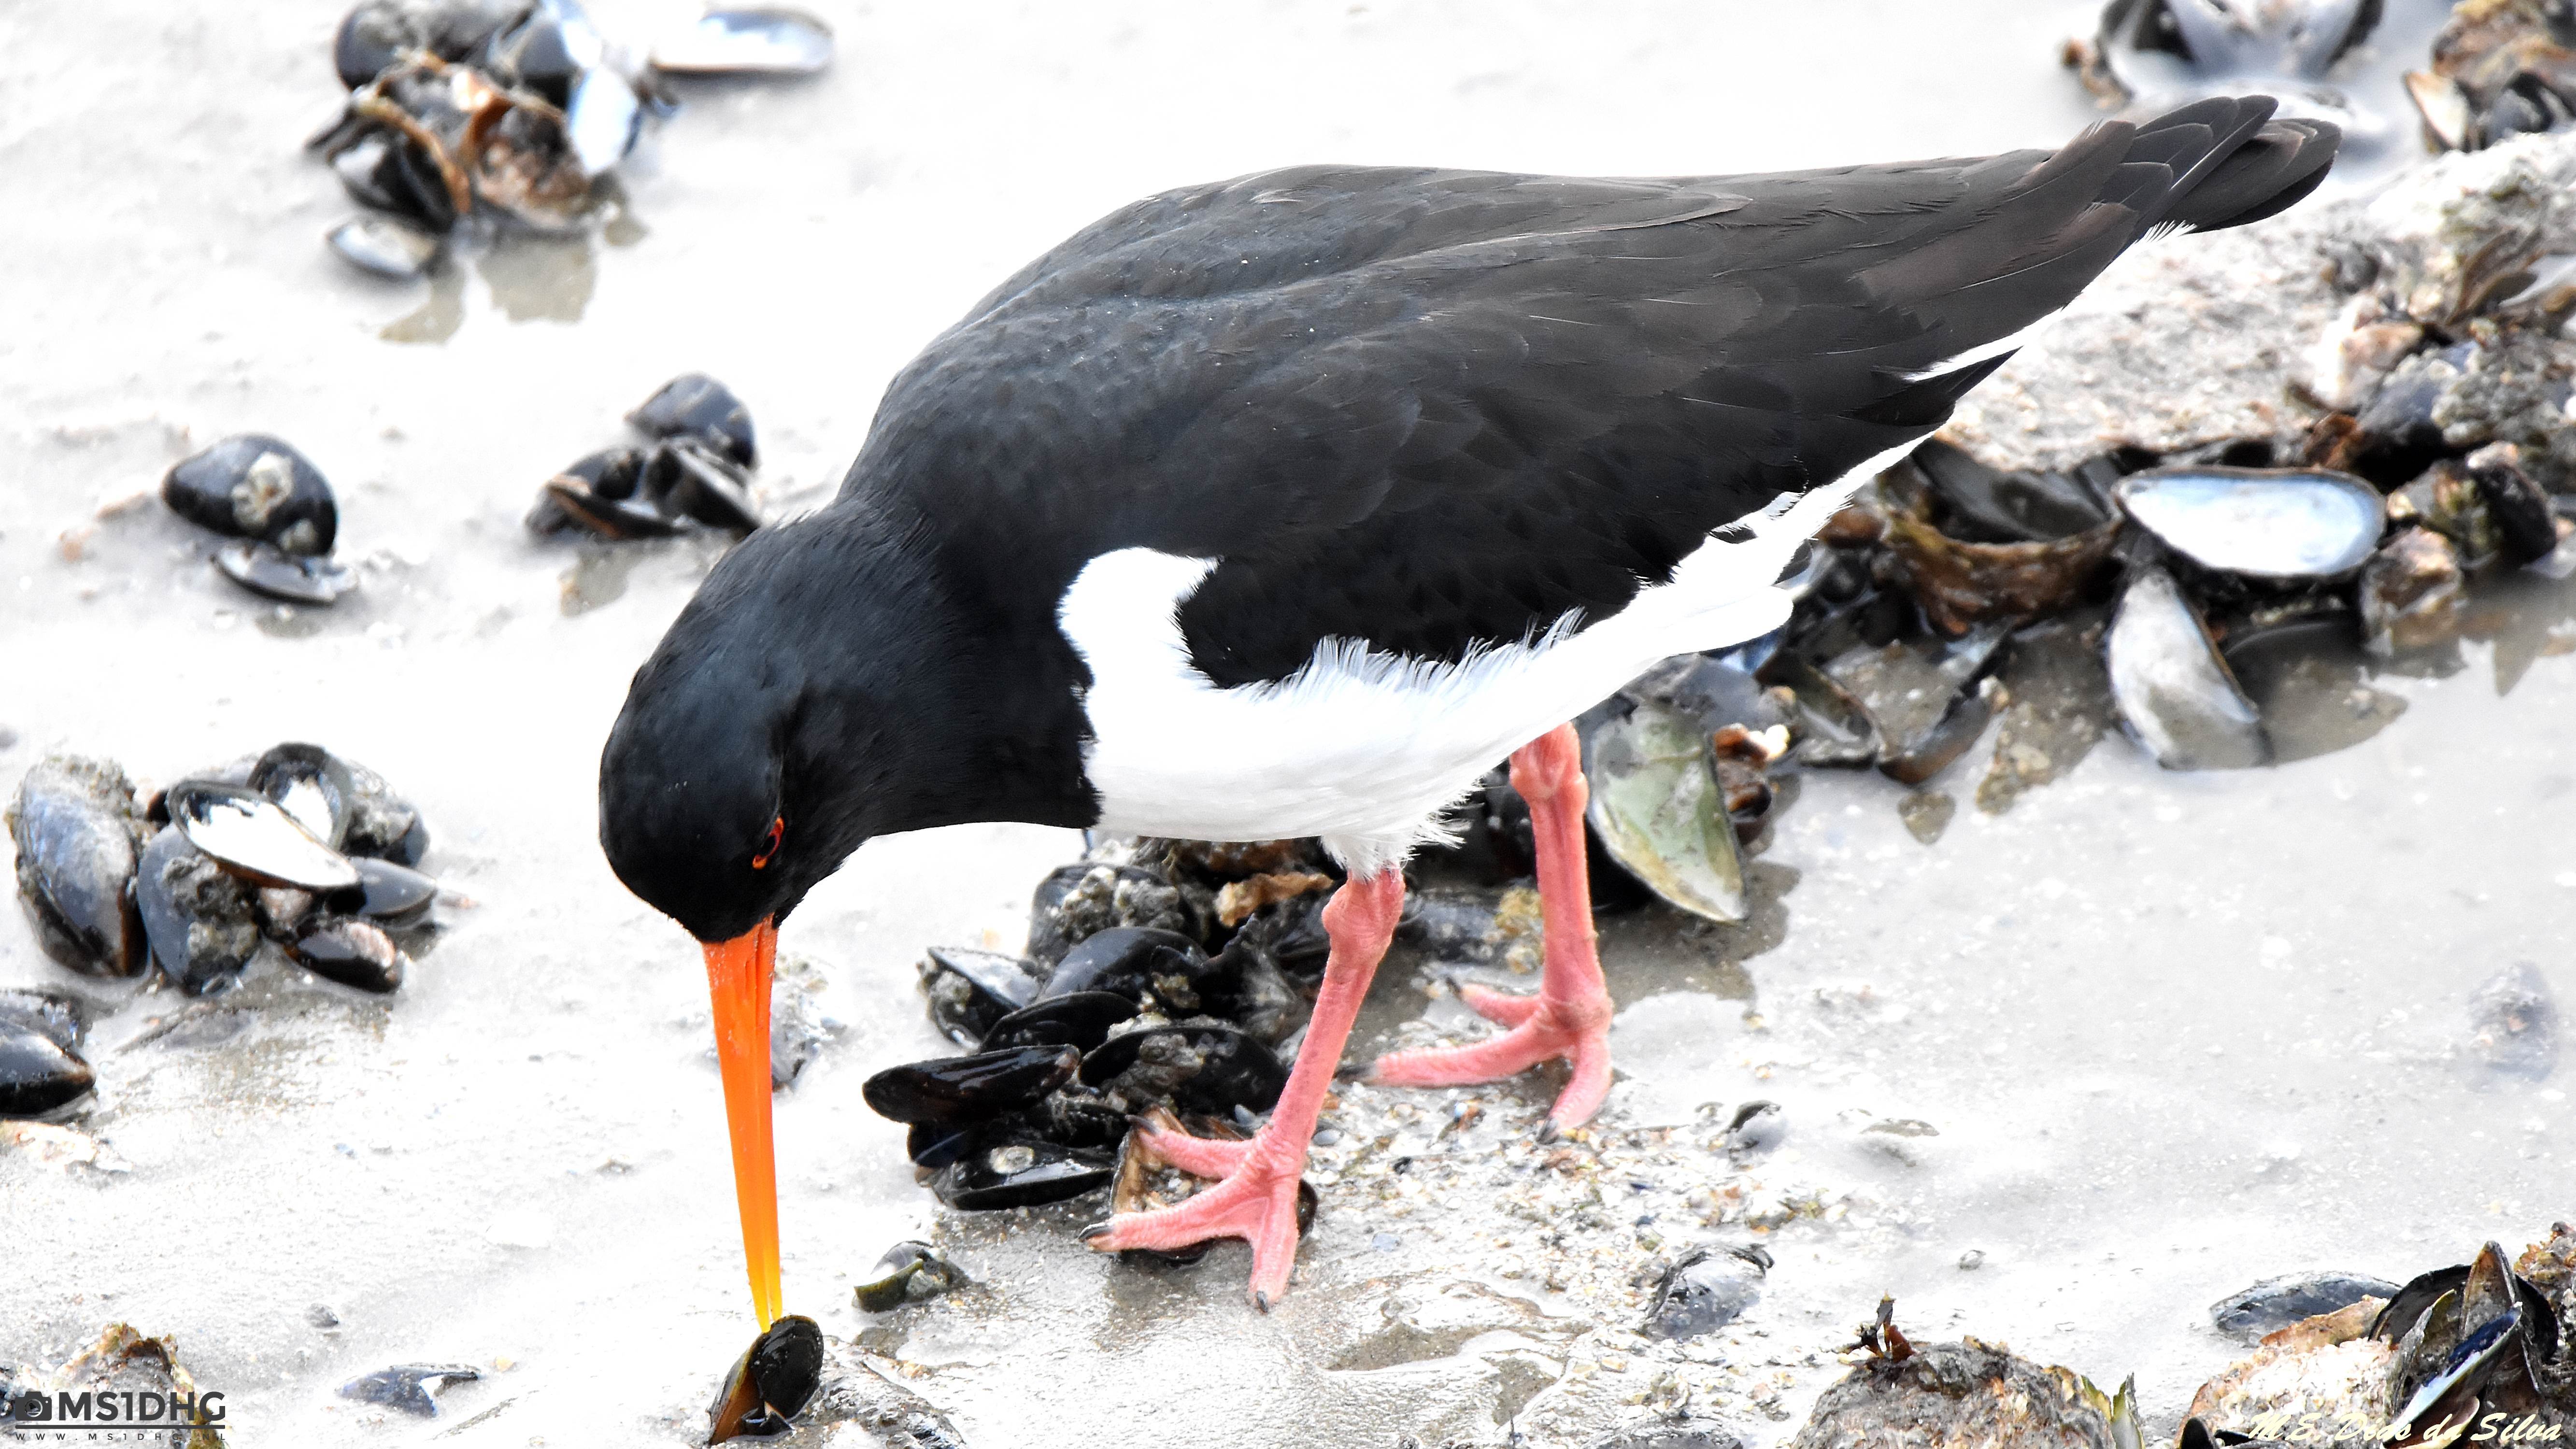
(688, 476)
(773, 1380)
(1657, 808)
(1988, 506)
(2265, 523)
(612, 518)
(1008, 1174)
(747, 42)
(971, 1088)
(200, 918)
(37, 1072)
(968, 990)
(257, 487)
(694, 405)
(2407, 1307)
(1204, 1067)
(1081, 1020)
(350, 951)
(72, 823)
(1130, 961)
(272, 573)
(908, 1272)
(314, 789)
(2173, 690)
(253, 835)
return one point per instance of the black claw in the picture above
(1547, 1131)
(1261, 1300)
(1095, 1232)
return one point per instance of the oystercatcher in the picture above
(1284, 506)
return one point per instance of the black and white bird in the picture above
(1284, 506)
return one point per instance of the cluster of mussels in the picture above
(506, 111)
(295, 846)
(696, 471)
(261, 491)
(1171, 981)
(2501, 68)
(2152, 54)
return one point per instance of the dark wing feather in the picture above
(1430, 409)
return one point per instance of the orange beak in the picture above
(738, 977)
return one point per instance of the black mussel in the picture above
(412, 1387)
(1246, 986)
(2514, 1020)
(2290, 524)
(1021, 1174)
(199, 917)
(272, 573)
(37, 1072)
(772, 1381)
(381, 826)
(611, 473)
(934, 1145)
(1076, 901)
(908, 1273)
(258, 487)
(1988, 506)
(371, 38)
(545, 51)
(1204, 1067)
(1706, 1289)
(52, 1015)
(460, 29)
(309, 785)
(387, 246)
(2174, 692)
(612, 518)
(746, 42)
(74, 826)
(970, 990)
(694, 405)
(390, 172)
(2276, 1303)
(1081, 1021)
(2489, 1282)
(2525, 529)
(1757, 1126)
(250, 833)
(351, 951)
(393, 895)
(688, 476)
(967, 1089)
(1139, 964)
(1291, 933)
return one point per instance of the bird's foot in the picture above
(1542, 1029)
(1255, 1199)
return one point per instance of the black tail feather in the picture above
(2224, 162)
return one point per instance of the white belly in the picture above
(1367, 749)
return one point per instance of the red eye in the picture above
(777, 831)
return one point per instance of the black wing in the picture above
(1432, 408)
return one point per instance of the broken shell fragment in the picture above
(74, 826)
(908, 1273)
(1657, 807)
(255, 487)
(1960, 584)
(2174, 692)
(251, 834)
(2287, 523)
(747, 42)
(271, 573)
(387, 246)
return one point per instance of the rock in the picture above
(2325, 1366)
(2411, 594)
(1955, 1393)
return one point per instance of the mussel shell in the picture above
(2264, 523)
(272, 573)
(899, 1275)
(1055, 925)
(392, 895)
(1081, 1021)
(2409, 1303)
(1292, 933)
(406, 1386)
(50, 1014)
(1988, 506)
(970, 1088)
(546, 51)
(2525, 528)
(1133, 962)
(250, 834)
(1020, 1174)
(2173, 690)
(695, 405)
(1657, 808)
(611, 518)
(1704, 1290)
(309, 785)
(387, 246)
(968, 991)
(934, 1145)
(73, 826)
(688, 476)
(1246, 986)
(370, 39)
(37, 1073)
(747, 42)
(2276, 1303)
(352, 952)
(199, 917)
(1231, 1068)
(609, 473)
(255, 486)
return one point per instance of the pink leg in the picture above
(1257, 1198)
(1570, 1015)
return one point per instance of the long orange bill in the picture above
(738, 977)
